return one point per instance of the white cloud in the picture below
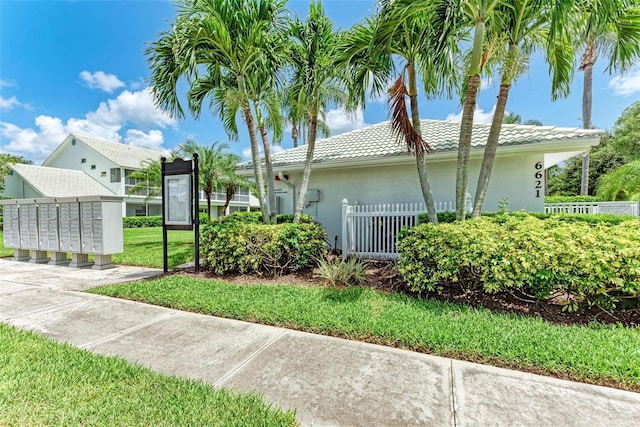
(626, 84)
(102, 81)
(6, 83)
(106, 122)
(246, 153)
(135, 107)
(479, 116)
(486, 83)
(8, 103)
(340, 121)
(152, 140)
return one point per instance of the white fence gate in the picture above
(371, 231)
(616, 208)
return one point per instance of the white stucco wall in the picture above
(18, 188)
(70, 157)
(513, 177)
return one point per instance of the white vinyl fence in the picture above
(615, 208)
(371, 231)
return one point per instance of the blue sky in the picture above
(79, 67)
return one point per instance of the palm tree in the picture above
(316, 78)
(610, 28)
(405, 30)
(477, 14)
(622, 183)
(522, 25)
(512, 118)
(214, 42)
(216, 168)
(148, 180)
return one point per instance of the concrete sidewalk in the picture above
(328, 381)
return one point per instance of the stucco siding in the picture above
(513, 177)
(70, 157)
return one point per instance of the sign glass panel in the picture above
(177, 208)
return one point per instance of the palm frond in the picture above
(401, 122)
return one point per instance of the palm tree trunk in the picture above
(208, 196)
(586, 123)
(257, 165)
(302, 198)
(421, 164)
(587, 61)
(464, 145)
(294, 133)
(230, 192)
(490, 150)
(271, 188)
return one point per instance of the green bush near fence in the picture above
(580, 263)
(573, 199)
(235, 246)
(449, 217)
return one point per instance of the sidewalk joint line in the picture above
(453, 395)
(249, 358)
(39, 310)
(126, 331)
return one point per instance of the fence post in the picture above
(345, 237)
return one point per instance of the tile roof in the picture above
(55, 182)
(127, 156)
(377, 141)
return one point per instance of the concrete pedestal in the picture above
(20, 255)
(39, 257)
(79, 260)
(59, 258)
(102, 262)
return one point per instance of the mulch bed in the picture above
(383, 277)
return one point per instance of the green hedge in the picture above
(449, 217)
(583, 263)
(256, 218)
(235, 246)
(151, 221)
(572, 199)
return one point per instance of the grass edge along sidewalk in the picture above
(596, 354)
(46, 383)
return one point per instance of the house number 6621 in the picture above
(538, 176)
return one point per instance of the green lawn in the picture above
(143, 247)
(46, 383)
(4, 251)
(596, 353)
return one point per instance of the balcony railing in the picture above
(215, 197)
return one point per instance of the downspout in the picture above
(289, 184)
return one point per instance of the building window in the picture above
(93, 167)
(83, 160)
(115, 175)
(103, 173)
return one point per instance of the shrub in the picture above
(572, 199)
(340, 271)
(256, 218)
(563, 217)
(445, 217)
(258, 248)
(141, 221)
(592, 264)
(151, 221)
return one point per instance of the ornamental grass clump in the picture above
(576, 263)
(342, 271)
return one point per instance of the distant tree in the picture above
(4, 169)
(533, 122)
(148, 179)
(626, 132)
(512, 118)
(566, 180)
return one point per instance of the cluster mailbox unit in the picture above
(77, 225)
